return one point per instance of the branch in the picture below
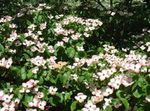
(111, 4)
(99, 2)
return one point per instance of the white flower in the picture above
(31, 109)
(40, 95)
(35, 102)
(12, 25)
(8, 18)
(74, 77)
(42, 105)
(12, 51)
(97, 99)
(51, 49)
(127, 81)
(28, 43)
(38, 61)
(76, 36)
(7, 98)
(80, 97)
(89, 106)
(42, 26)
(103, 75)
(1, 94)
(32, 27)
(86, 34)
(142, 47)
(106, 91)
(65, 39)
(31, 104)
(107, 102)
(10, 106)
(59, 43)
(80, 48)
(52, 90)
(8, 63)
(28, 85)
(39, 32)
(112, 13)
(2, 62)
(35, 70)
(115, 82)
(148, 98)
(17, 101)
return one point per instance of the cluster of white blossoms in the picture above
(120, 79)
(90, 25)
(6, 19)
(106, 73)
(32, 9)
(89, 106)
(37, 102)
(29, 86)
(88, 61)
(8, 102)
(99, 95)
(108, 101)
(145, 46)
(132, 62)
(6, 63)
(43, 60)
(13, 36)
(38, 61)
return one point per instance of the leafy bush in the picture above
(75, 62)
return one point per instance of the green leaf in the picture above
(71, 52)
(28, 22)
(123, 100)
(22, 38)
(64, 78)
(27, 99)
(41, 80)
(52, 80)
(141, 82)
(108, 108)
(137, 94)
(67, 96)
(134, 86)
(23, 73)
(82, 54)
(118, 94)
(1, 48)
(140, 109)
(29, 75)
(125, 103)
(73, 105)
(61, 97)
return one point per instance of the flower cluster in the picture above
(29, 85)
(37, 102)
(6, 63)
(90, 25)
(8, 102)
(45, 63)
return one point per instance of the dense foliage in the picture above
(74, 55)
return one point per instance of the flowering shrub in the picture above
(44, 65)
